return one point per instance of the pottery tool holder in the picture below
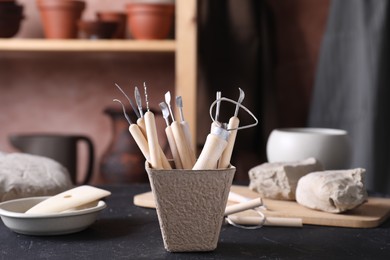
(191, 197)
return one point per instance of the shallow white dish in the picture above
(13, 216)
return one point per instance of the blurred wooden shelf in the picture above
(43, 45)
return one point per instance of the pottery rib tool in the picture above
(171, 140)
(137, 134)
(181, 142)
(140, 120)
(156, 157)
(234, 122)
(186, 128)
(216, 143)
(131, 102)
(69, 199)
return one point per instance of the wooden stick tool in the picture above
(234, 122)
(181, 142)
(216, 142)
(186, 128)
(142, 125)
(171, 139)
(135, 131)
(156, 157)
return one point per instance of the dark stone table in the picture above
(125, 231)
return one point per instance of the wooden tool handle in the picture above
(188, 136)
(211, 153)
(173, 147)
(165, 163)
(140, 140)
(224, 162)
(269, 221)
(251, 204)
(182, 146)
(164, 160)
(142, 126)
(151, 131)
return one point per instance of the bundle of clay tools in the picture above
(218, 148)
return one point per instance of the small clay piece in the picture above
(332, 191)
(279, 180)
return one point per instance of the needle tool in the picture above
(157, 157)
(171, 139)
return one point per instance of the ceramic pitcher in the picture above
(62, 148)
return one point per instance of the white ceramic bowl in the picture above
(13, 216)
(330, 146)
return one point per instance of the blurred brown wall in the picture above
(67, 92)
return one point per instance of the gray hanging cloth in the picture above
(352, 86)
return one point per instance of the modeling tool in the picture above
(186, 159)
(131, 102)
(140, 120)
(186, 128)
(156, 157)
(171, 139)
(216, 143)
(135, 131)
(234, 122)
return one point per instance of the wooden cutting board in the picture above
(370, 214)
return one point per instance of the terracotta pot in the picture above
(150, 21)
(97, 29)
(118, 17)
(60, 17)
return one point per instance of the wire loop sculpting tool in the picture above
(234, 122)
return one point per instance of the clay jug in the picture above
(123, 161)
(60, 17)
(62, 148)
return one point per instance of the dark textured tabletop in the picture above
(125, 231)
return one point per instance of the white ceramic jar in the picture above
(330, 146)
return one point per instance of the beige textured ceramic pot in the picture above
(190, 206)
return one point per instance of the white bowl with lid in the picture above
(330, 146)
